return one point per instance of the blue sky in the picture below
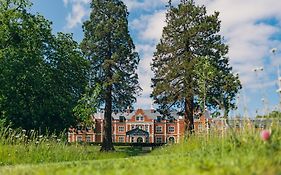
(251, 29)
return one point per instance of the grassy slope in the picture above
(212, 155)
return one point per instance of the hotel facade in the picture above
(139, 126)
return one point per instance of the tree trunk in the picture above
(188, 120)
(107, 144)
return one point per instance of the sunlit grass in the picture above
(240, 152)
(29, 147)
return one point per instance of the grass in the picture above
(245, 153)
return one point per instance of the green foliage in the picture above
(200, 154)
(87, 106)
(29, 147)
(111, 51)
(41, 75)
(190, 64)
(215, 88)
(272, 115)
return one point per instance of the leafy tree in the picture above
(214, 86)
(41, 75)
(110, 49)
(87, 106)
(271, 115)
(189, 36)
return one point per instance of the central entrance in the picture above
(140, 140)
(138, 136)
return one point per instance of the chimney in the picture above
(128, 110)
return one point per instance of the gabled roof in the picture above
(128, 115)
(137, 132)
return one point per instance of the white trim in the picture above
(157, 129)
(171, 127)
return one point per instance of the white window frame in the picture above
(147, 128)
(170, 129)
(200, 127)
(158, 129)
(121, 139)
(121, 130)
(79, 138)
(88, 138)
(159, 140)
(139, 118)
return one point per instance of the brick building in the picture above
(145, 126)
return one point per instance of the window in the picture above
(146, 128)
(122, 119)
(79, 138)
(200, 127)
(121, 128)
(158, 119)
(171, 129)
(139, 118)
(88, 139)
(132, 139)
(158, 140)
(171, 140)
(158, 128)
(121, 139)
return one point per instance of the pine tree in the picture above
(189, 35)
(110, 49)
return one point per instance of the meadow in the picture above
(238, 152)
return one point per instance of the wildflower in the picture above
(265, 135)
(40, 136)
(17, 136)
(36, 142)
(58, 140)
(23, 130)
(32, 130)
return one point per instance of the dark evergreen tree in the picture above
(110, 49)
(190, 34)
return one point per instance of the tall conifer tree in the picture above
(189, 35)
(110, 49)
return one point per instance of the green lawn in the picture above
(244, 153)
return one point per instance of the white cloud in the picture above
(149, 27)
(147, 5)
(155, 24)
(245, 25)
(78, 12)
(65, 2)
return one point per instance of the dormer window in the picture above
(139, 118)
(122, 119)
(158, 119)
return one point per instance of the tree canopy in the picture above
(41, 75)
(190, 46)
(111, 51)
